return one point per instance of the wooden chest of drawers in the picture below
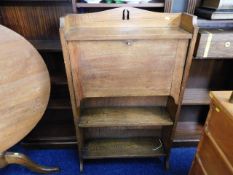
(215, 154)
(214, 44)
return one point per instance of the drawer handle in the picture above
(227, 44)
(217, 109)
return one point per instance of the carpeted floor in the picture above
(67, 160)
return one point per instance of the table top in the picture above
(24, 88)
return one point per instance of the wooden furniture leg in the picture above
(18, 158)
(80, 147)
(231, 98)
(166, 163)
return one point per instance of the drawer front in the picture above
(211, 159)
(128, 68)
(196, 168)
(214, 44)
(220, 126)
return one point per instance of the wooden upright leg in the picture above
(166, 163)
(18, 158)
(80, 147)
(81, 165)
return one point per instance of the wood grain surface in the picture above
(211, 158)
(223, 133)
(24, 88)
(214, 151)
(125, 73)
(198, 167)
(134, 147)
(113, 18)
(221, 99)
(214, 44)
(147, 55)
(131, 116)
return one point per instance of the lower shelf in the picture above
(123, 148)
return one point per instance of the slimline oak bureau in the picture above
(126, 71)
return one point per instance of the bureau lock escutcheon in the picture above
(129, 42)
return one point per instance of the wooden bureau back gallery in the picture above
(117, 59)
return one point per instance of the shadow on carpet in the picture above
(67, 160)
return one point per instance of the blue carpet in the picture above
(67, 160)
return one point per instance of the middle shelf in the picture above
(125, 117)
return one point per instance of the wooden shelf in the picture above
(113, 148)
(46, 45)
(196, 96)
(188, 132)
(59, 104)
(108, 33)
(106, 5)
(214, 58)
(52, 135)
(125, 117)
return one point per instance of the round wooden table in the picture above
(24, 94)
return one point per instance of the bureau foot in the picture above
(20, 159)
(166, 163)
(81, 165)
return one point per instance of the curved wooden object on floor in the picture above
(24, 93)
(21, 159)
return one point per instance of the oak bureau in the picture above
(126, 55)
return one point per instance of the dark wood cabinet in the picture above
(212, 71)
